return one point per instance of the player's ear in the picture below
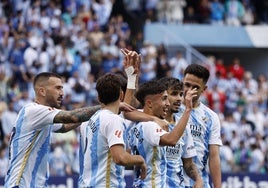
(205, 87)
(41, 91)
(149, 103)
(122, 95)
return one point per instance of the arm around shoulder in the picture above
(76, 116)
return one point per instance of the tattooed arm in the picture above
(67, 127)
(192, 172)
(76, 116)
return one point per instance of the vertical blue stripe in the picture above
(119, 173)
(15, 139)
(43, 151)
(18, 132)
(142, 150)
(94, 150)
(141, 146)
(81, 158)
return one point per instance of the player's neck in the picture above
(39, 102)
(169, 117)
(148, 111)
(113, 107)
(196, 104)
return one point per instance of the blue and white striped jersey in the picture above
(183, 149)
(29, 146)
(97, 168)
(205, 129)
(143, 139)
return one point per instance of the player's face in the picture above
(54, 92)
(190, 82)
(175, 98)
(160, 104)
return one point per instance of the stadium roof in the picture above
(217, 36)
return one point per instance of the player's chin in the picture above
(164, 114)
(59, 104)
(175, 110)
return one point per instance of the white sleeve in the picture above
(40, 115)
(215, 136)
(152, 132)
(113, 130)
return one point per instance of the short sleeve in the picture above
(215, 136)
(152, 132)
(113, 129)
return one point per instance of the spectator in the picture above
(227, 158)
(44, 59)
(234, 11)
(237, 69)
(177, 13)
(64, 59)
(8, 118)
(95, 56)
(262, 95)
(79, 88)
(162, 66)
(178, 64)
(256, 159)
(18, 66)
(220, 67)
(258, 118)
(102, 9)
(3, 85)
(242, 157)
(216, 99)
(148, 65)
(3, 160)
(163, 11)
(217, 12)
(3, 107)
(249, 16)
(203, 12)
(30, 56)
(58, 162)
(22, 100)
(110, 55)
(190, 16)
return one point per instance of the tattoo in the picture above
(191, 170)
(67, 127)
(77, 115)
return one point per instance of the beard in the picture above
(174, 110)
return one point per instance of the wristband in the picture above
(131, 78)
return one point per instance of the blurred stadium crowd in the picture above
(81, 39)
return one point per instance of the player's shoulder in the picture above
(208, 109)
(110, 116)
(146, 123)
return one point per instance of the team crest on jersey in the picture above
(204, 119)
(118, 133)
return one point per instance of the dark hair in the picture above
(43, 76)
(197, 70)
(108, 88)
(123, 79)
(172, 83)
(152, 87)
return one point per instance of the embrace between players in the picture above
(149, 127)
